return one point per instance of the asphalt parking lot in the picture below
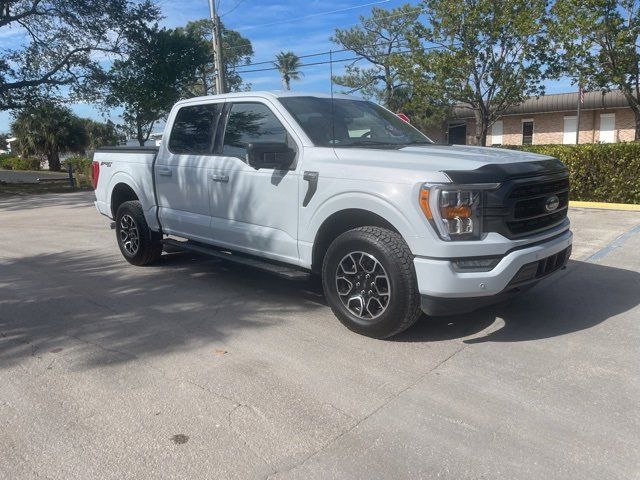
(196, 368)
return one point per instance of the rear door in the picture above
(181, 171)
(255, 211)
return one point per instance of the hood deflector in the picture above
(496, 173)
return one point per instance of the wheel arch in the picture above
(340, 222)
(121, 192)
(141, 185)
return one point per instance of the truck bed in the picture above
(131, 166)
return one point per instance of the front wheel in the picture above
(370, 283)
(138, 243)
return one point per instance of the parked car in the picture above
(340, 187)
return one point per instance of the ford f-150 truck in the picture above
(299, 184)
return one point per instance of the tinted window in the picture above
(194, 128)
(350, 123)
(250, 123)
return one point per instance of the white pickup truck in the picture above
(307, 183)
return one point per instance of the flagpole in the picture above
(578, 114)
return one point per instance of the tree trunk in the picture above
(139, 134)
(484, 132)
(388, 89)
(482, 128)
(205, 83)
(54, 160)
(477, 137)
(637, 116)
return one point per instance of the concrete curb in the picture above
(606, 206)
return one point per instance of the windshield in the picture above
(357, 123)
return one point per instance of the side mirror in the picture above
(275, 155)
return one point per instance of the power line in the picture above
(330, 52)
(238, 3)
(324, 62)
(241, 45)
(313, 15)
(319, 54)
(401, 14)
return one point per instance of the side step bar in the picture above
(285, 271)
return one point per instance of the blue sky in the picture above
(301, 26)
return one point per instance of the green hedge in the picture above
(16, 163)
(606, 172)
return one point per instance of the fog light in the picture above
(476, 264)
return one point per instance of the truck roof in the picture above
(268, 95)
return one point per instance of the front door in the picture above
(255, 211)
(181, 172)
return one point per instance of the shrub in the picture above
(606, 172)
(17, 163)
(81, 166)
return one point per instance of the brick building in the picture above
(604, 117)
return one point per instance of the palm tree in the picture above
(47, 130)
(288, 63)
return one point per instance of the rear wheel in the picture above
(138, 243)
(370, 283)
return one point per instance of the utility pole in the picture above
(216, 40)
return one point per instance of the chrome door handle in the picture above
(220, 178)
(167, 172)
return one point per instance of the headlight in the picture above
(455, 210)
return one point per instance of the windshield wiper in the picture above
(369, 143)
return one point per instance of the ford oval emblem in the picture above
(551, 203)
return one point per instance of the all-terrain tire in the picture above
(364, 246)
(138, 243)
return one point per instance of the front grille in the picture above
(540, 268)
(537, 223)
(519, 207)
(529, 212)
(534, 189)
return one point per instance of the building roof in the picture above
(559, 102)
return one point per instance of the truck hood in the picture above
(462, 164)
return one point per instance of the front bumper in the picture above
(445, 290)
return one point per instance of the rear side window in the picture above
(251, 123)
(194, 129)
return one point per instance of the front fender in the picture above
(404, 222)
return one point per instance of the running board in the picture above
(285, 271)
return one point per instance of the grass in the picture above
(7, 189)
(39, 172)
(58, 185)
